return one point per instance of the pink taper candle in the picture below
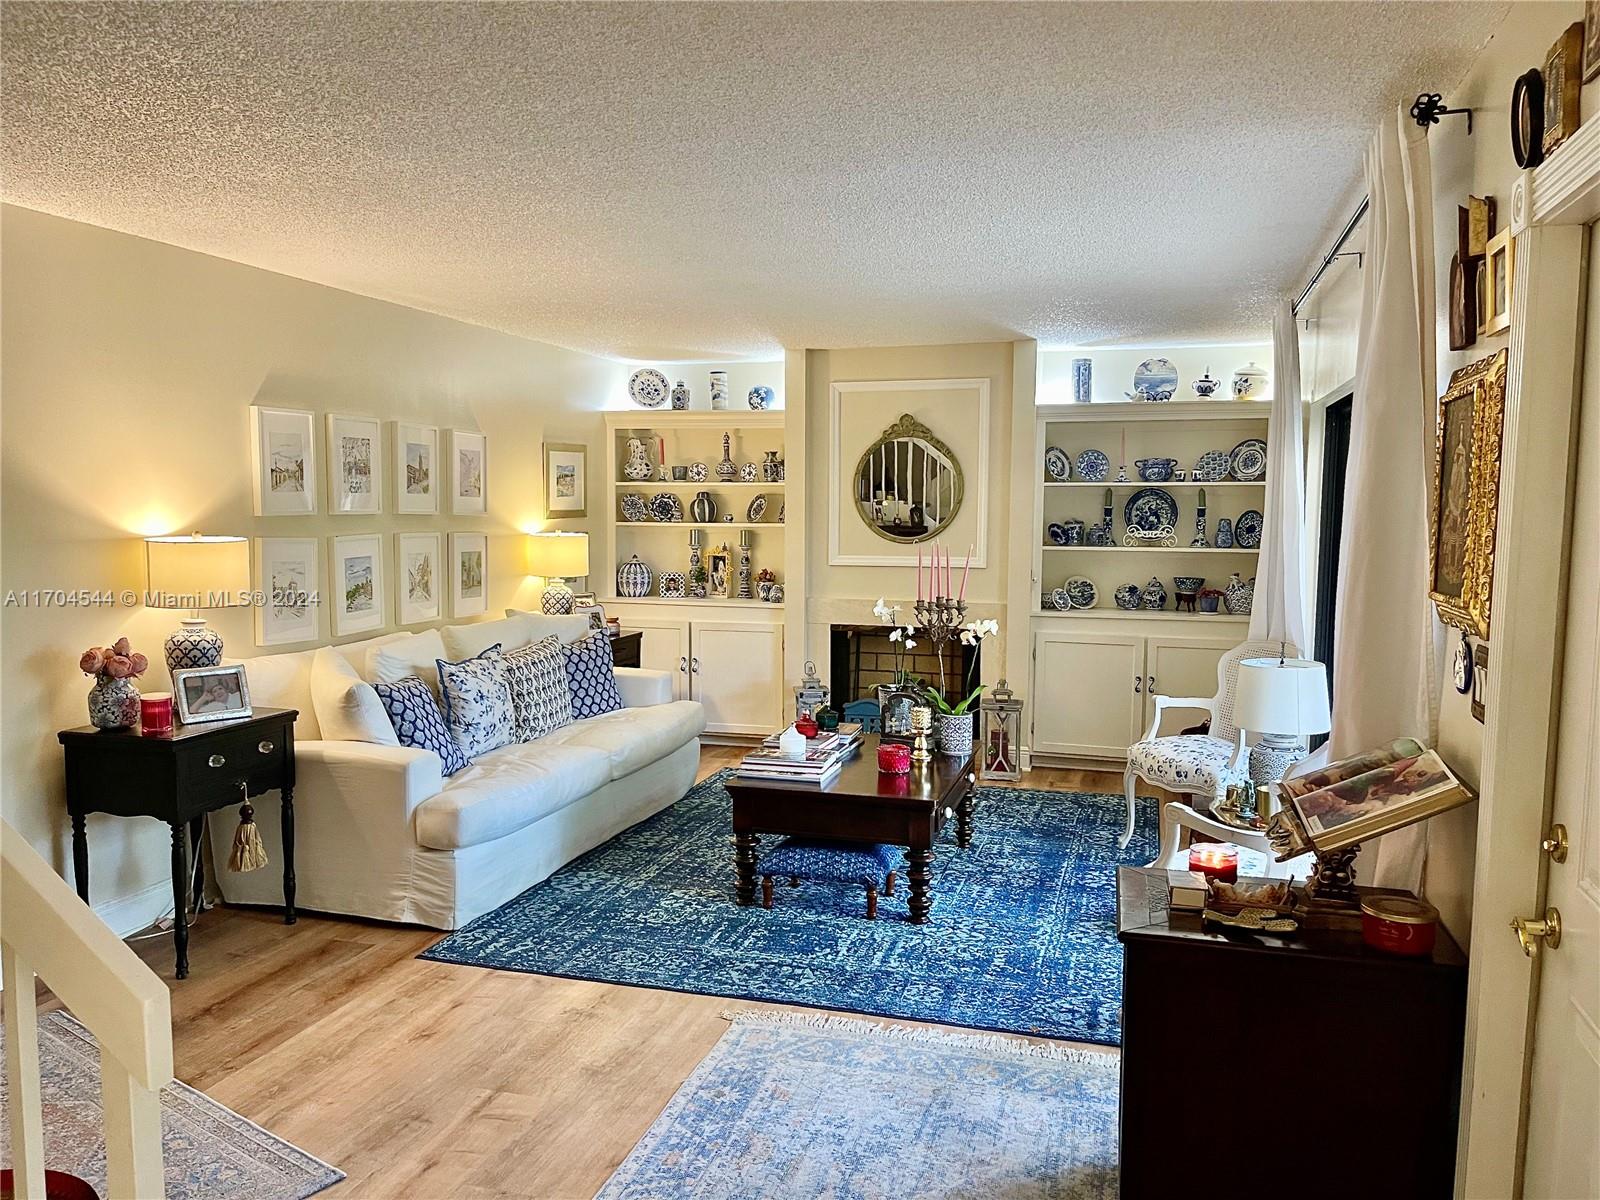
(919, 574)
(966, 569)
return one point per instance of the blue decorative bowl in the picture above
(1156, 470)
(1188, 583)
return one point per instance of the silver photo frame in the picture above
(205, 694)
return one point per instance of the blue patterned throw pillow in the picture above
(540, 698)
(477, 702)
(589, 677)
(417, 722)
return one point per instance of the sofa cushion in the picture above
(409, 654)
(541, 625)
(632, 738)
(348, 710)
(418, 723)
(477, 702)
(507, 789)
(358, 653)
(537, 677)
(589, 665)
(284, 681)
(468, 641)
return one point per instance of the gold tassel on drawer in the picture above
(248, 854)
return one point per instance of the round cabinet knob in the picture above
(265, 747)
(216, 760)
(949, 812)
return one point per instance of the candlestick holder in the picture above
(940, 619)
(921, 726)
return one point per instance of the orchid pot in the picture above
(952, 733)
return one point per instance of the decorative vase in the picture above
(760, 397)
(1205, 387)
(953, 734)
(727, 469)
(771, 468)
(719, 391)
(633, 579)
(192, 645)
(1082, 376)
(1239, 595)
(703, 509)
(680, 396)
(1154, 596)
(113, 703)
(1209, 600)
(1224, 534)
(1249, 382)
(637, 465)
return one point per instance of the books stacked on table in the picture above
(825, 754)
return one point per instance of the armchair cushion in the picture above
(1188, 763)
(641, 686)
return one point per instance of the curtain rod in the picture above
(1333, 253)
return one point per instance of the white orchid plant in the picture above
(901, 636)
(904, 640)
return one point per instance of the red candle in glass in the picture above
(1215, 860)
(894, 758)
(155, 713)
(806, 726)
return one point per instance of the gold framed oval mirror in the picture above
(908, 485)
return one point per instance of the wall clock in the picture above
(1527, 119)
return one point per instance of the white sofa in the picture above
(379, 833)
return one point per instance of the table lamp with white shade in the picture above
(196, 572)
(558, 557)
(1285, 700)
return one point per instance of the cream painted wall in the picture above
(128, 369)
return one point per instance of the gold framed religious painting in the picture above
(1466, 494)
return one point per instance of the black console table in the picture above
(177, 778)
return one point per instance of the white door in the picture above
(664, 647)
(736, 671)
(1088, 693)
(1181, 666)
(1564, 1091)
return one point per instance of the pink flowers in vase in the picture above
(116, 661)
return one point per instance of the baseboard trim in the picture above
(129, 914)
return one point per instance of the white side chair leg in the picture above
(1133, 812)
(1170, 824)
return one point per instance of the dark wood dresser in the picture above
(1344, 1062)
(625, 649)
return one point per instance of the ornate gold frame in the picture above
(909, 427)
(1485, 382)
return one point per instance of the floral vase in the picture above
(727, 469)
(952, 733)
(680, 396)
(771, 468)
(637, 465)
(1238, 596)
(113, 703)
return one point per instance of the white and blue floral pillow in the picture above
(589, 677)
(477, 702)
(417, 722)
(540, 698)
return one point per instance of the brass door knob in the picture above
(1531, 932)
(1555, 843)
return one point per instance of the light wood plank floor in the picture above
(423, 1079)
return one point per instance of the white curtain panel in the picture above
(1389, 646)
(1278, 613)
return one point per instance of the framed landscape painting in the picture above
(469, 472)
(566, 480)
(357, 583)
(469, 574)
(283, 458)
(286, 576)
(421, 578)
(416, 468)
(1466, 494)
(355, 465)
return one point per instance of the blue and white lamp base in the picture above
(1272, 756)
(193, 645)
(557, 598)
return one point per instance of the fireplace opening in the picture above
(861, 658)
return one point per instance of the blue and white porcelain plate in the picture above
(1081, 592)
(1060, 600)
(1093, 466)
(1155, 379)
(664, 506)
(1056, 532)
(649, 388)
(634, 508)
(699, 472)
(1248, 460)
(1211, 467)
(1128, 596)
(1057, 464)
(757, 509)
(1247, 529)
(1150, 509)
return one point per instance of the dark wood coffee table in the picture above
(860, 805)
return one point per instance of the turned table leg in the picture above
(920, 873)
(180, 899)
(80, 857)
(289, 916)
(964, 814)
(744, 868)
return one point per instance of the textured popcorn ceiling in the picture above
(694, 180)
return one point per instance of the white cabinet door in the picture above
(1088, 693)
(736, 671)
(1181, 666)
(664, 647)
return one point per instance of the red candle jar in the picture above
(1215, 860)
(894, 758)
(155, 713)
(806, 726)
(1399, 924)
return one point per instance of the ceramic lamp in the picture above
(1285, 701)
(558, 557)
(196, 572)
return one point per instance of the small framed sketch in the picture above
(1499, 269)
(355, 465)
(469, 472)
(283, 456)
(357, 583)
(286, 575)
(417, 556)
(566, 480)
(595, 612)
(469, 574)
(203, 694)
(416, 468)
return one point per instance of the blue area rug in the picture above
(793, 1106)
(1022, 937)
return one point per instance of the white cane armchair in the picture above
(1202, 764)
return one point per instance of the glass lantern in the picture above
(811, 694)
(1002, 734)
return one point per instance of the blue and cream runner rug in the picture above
(1022, 937)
